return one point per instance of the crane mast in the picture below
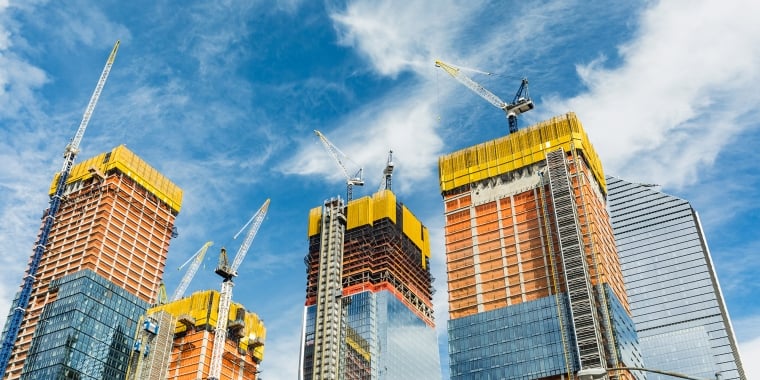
(228, 272)
(336, 154)
(70, 153)
(521, 103)
(387, 173)
(195, 262)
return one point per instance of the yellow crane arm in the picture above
(472, 85)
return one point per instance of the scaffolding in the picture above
(586, 328)
(556, 285)
(328, 329)
(152, 347)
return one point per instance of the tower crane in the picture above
(195, 262)
(387, 173)
(521, 103)
(228, 272)
(69, 154)
(339, 158)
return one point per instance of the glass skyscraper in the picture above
(676, 302)
(86, 333)
(383, 339)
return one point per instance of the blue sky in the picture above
(223, 96)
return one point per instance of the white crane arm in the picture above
(196, 259)
(472, 85)
(258, 218)
(72, 149)
(337, 154)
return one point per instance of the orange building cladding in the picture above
(498, 211)
(116, 218)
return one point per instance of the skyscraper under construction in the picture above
(535, 285)
(100, 270)
(175, 341)
(368, 312)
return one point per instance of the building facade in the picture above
(535, 286)
(676, 301)
(86, 332)
(116, 220)
(175, 341)
(368, 312)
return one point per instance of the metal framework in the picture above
(228, 272)
(521, 103)
(197, 259)
(582, 304)
(71, 151)
(340, 159)
(329, 318)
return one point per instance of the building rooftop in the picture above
(525, 147)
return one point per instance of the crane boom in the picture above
(195, 262)
(336, 154)
(520, 104)
(72, 149)
(257, 220)
(228, 272)
(472, 85)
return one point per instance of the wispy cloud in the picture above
(673, 103)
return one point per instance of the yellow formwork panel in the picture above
(360, 213)
(255, 335)
(123, 160)
(315, 216)
(203, 307)
(425, 246)
(367, 210)
(384, 205)
(519, 149)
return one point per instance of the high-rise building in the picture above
(175, 341)
(115, 221)
(676, 301)
(369, 312)
(535, 285)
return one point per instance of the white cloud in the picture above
(392, 123)
(680, 93)
(399, 35)
(750, 351)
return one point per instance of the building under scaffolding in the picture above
(111, 236)
(369, 312)
(175, 341)
(535, 286)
